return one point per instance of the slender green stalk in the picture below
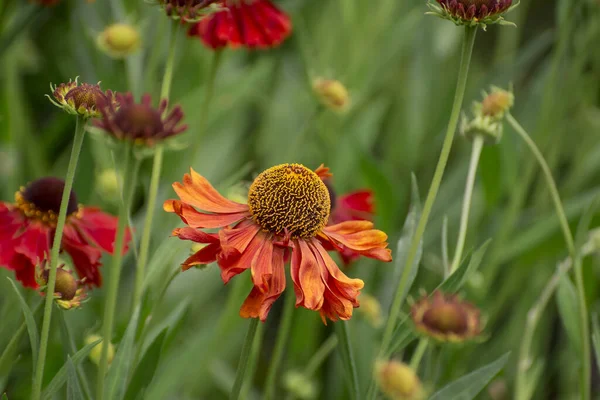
(244, 359)
(256, 346)
(467, 49)
(282, 335)
(418, 354)
(585, 375)
(464, 217)
(129, 177)
(348, 357)
(168, 76)
(60, 224)
(322, 353)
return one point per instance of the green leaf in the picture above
(30, 322)
(467, 387)
(596, 339)
(456, 281)
(146, 367)
(566, 299)
(73, 388)
(61, 376)
(4, 397)
(116, 382)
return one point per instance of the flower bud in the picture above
(497, 103)
(107, 185)
(119, 40)
(398, 381)
(333, 94)
(79, 99)
(370, 308)
(482, 126)
(472, 12)
(96, 352)
(299, 385)
(68, 291)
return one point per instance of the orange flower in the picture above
(285, 219)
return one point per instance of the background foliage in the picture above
(400, 67)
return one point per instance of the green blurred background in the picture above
(400, 67)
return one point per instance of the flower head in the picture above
(69, 291)
(189, 10)
(243, 23)
(119, 40)
(398, 381)
(473, 12)
(285, 218)
(80, 99)
(446, 318)
(140, 123)
(488, 115)
(332, 94)
(28, 226)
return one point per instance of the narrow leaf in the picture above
(596, 339)
(456, 281)
(116, 382)
(73, 388)
(568, 309)
(30, 322)
(61, 376)
(146, 367)
(467, 387)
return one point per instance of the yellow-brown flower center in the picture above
(289, 198)
(86, 95)
(41, 200)
(446, 318)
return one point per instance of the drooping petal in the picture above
(196, 219)
(239, 247)
(24, 270)
(359, 236)
(357, 205)
(11, 222)
(206, 255)
(258, 303)
(310, 277)
(99, 228)
(198, 192)
(195, 235)
(34, 243)
(262, 266)
(86, 258)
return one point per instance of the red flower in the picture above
(354, 206)
(27, 231)
(285, 218)
(249, 23)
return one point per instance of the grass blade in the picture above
(147, 367)
(73, 388)
(34, 338)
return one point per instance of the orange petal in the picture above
(195, 235)
(196, 219)
(310, 276)
(206, 255)
(368, 242)
(323, 172)
(261, 266)
(198, 192)
(233, 260)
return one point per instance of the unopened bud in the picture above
(299, 385)
(119, 40)
(107, 184)
(333, 94)
(96, 352)
(370, 308)
(398, 381)
(482, 126)
(497, 103)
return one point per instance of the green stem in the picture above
(418, 354)
(348, 357)
(322, 353)
(60, 224)
(568, 236)
(168, 76)
(282, 335)
(464, 217)
(129, 177)
(467, 49)
(256, 346)
(208, 96)
(244, 359)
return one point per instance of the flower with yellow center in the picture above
(287, 212)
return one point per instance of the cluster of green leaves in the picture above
(400, 67)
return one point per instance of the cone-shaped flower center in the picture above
(446, 318)
(289, 198)
(66, 284)
(138, 119)
(86, 95)
(41, 199)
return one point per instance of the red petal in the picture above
(195, 235)
(239, 247)
(99, 228)
(34, 242)
(262, 267)
(86, 258)
(206, 255)
(310, 277)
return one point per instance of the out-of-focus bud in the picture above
(488, 115)
(119, 40)
(299, 385)
(333, 94)
(69, 292)
(473, 12)
(370, 308)
(107, 185)
(496, 104)
(96, 352)
(481, 126)
(398, 381)
(498, 390)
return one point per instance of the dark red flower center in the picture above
(41, 199)
(138, 119)
(86, 95)
(446, 318)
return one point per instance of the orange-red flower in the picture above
(248, 23)
(353, 206)
(27, 229)
(285, 218)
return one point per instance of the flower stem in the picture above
(348, 357)
(467, 49)
(168, 76)
(129, 177)
(60, 224)
(244, 359)
(282, 335)
(418, 354)
(464, 217)
(568, 236)
(322, 353)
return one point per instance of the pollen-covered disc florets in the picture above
(140, 122)
(446, 318)
(41, 200)
(80, 99)
(472, 12)
(189, 10)
(289, 199)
